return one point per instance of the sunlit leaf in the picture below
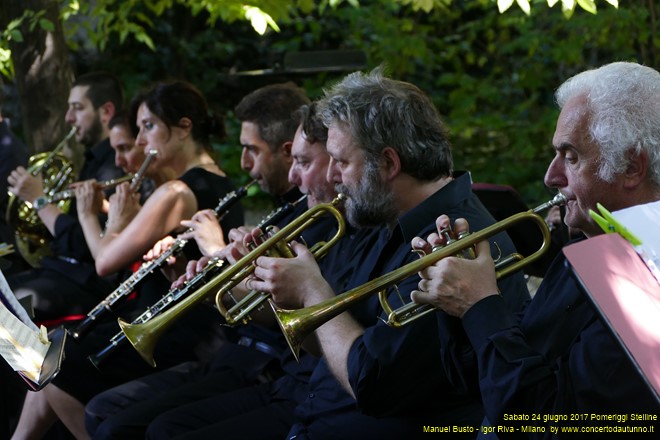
(588, 5)
(503, 5)
(614, 3)
(551, 3)
(568, 7)
(524, 5)
(259, 19)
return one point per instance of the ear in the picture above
(392, 162)
(286, 149)
(185, 124)
(637, 169)
(106, 112)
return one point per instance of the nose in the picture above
(120, 160)
(141, 140)
(333, 175)
(69, 117)
(246, 160)
(555, 177)
(294, 175)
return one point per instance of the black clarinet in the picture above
(173, 296)
(128, 285)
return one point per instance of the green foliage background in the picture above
(491, 75)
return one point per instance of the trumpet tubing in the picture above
(298, 324)
(173, 296)
(145, 336)
(239, 312)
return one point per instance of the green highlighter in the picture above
(609, 224)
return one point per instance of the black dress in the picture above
(190, 338)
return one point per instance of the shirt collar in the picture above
(98, 150)
(416, 219)
(288, 197)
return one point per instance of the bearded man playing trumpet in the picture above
(390, 156)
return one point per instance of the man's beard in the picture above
(93, 135)
(371, 204)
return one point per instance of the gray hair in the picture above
(382, 112)
(624, 100)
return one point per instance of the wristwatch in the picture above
(40, 202)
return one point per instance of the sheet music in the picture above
(10, 301)
(644, 222)
(22, 344)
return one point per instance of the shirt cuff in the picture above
(486, 318)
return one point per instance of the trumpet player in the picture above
(559, 358)
(219, 407)
(391, 157)
(66, 283)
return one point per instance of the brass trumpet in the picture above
(129, 284)
(144, 337)
(239, 312)
(298, 324)
(174, 296)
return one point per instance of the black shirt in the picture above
(404, 378)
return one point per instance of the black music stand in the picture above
(52, 361)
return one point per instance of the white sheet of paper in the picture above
(20, 342)
(644, 222)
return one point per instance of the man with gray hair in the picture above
(391, 157)
(559, 359)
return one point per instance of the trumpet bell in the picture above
(143, 338)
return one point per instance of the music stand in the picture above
(52, 361)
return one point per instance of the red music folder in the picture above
(626, 294)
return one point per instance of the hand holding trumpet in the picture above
(454, 284)
(294, 282)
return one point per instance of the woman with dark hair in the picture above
(173, 119)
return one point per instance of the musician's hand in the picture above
(455, 284)
(205, 229)
(89, 199)
(237, 234)
(24, 185)
(124, 206)
(192, 268)
(159, 248)
(293, 282)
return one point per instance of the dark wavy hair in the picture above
(173, 100)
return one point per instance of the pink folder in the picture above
(627, 296)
